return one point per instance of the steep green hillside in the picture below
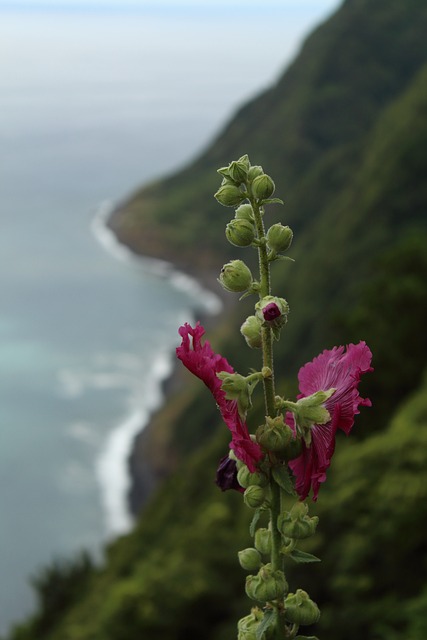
(309, 131)
(344, 135)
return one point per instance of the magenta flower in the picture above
(332, 369)
(205, 364)
(271, 311)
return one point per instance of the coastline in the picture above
(138, 472)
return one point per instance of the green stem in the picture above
(269, 396)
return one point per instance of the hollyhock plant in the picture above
(291, 451)
(333, 369)
(201, 360)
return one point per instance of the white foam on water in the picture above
(112, 465)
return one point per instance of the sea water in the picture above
(91, 106)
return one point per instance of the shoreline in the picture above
(138, 475)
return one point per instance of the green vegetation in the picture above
(344, 135)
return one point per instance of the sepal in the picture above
(240, 232)
(230, 195)
(263, 187)
(254, 496)
(263, 541)
(247, 626)
(300, 609)
(297, 524)
(249, 559)
(235, 276)
(251, 331)
(275, 435)
(267, 585)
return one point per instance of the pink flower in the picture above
(340, 370)
(205, 364)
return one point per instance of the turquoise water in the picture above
(90, 107)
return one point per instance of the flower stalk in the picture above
(291, 452)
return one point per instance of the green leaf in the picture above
(302, 557)
(306, 638)
(280, 257)
(254, 522)
(266, 622)
(283, 479)
(273, 201)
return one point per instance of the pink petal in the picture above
(341, 370)
(205, 364)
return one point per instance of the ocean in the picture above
(91, 106)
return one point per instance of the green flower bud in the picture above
(229, 195)
(263, 187)
(263, 541)
(240, 233)
(247, 479)
(245, 212)
(247, 626)
(267, 585)
(251, 331)
(275, 435)
(279, 238)
(300, 609)
(297, 524)
(254, 172)
(254, 496)
(250, 559)
(235, 276)
(238, 170)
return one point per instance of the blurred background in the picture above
(97, 98)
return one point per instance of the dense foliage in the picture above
(344, 134)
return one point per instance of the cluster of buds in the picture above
(245, 187)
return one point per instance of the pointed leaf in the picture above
(280, 257)
(254, 522)
(273, 201)
(302, 557)
(283, 479)
(266, 622)
(306, 638)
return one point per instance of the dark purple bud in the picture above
(226, 475)
(271, 311)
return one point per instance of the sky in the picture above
(321, 6)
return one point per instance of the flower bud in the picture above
(247, 626)
(245, 212)
(272, 312)
(251, 331)
(254, 172)
(229, 195)
(263, 187)
(279, 238)
(267, 585)
(275, 435)
(250, 559)
(240, 233)
(272, 308)
(247, 479)
(297, 524)
(263, 541)
(235, 276)
(238, 169)
(254, 496)
(300, 609)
